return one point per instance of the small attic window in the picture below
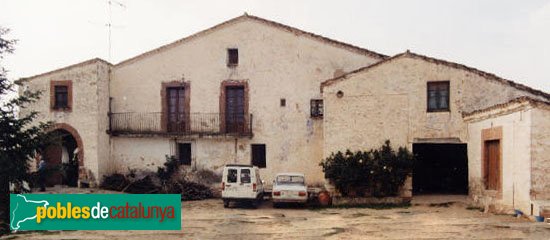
(232, 57)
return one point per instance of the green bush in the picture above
(379, 172)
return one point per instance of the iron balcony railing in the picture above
(212, 124)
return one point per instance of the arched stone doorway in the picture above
(64, 157)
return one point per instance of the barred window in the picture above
(317, 108)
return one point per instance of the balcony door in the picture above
(235, 109)
(176, 119)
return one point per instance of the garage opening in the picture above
(440, 169)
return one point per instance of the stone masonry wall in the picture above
(540, 154)
(275, 63)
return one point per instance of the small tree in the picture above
(381, 171)
(20, 138)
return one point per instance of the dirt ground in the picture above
(209, 220)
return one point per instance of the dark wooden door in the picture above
(492, 164)
(176, 119)
(52, 157)
(234, 109)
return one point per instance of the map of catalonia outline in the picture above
(20, 198)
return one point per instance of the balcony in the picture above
(178, 124)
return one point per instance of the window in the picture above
(232, 175)
(234, 109)
(258, 155)
(317, 108)
(245, 175)
(283, 102)
(232, 57)
(438, 96)
(175, 100)
(61, 95)
(184, 153)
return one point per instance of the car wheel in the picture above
(225, 203)
(276, 205)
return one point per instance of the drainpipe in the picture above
(235, 156)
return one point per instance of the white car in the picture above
(289, 188)
(242, 183)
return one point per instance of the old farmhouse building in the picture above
(250, 90)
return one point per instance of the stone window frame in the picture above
(492, 134)
(438, 82)
(69, 85)
(186, 102)
(234, 83)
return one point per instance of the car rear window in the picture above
(288, 179)
(232, 175)
(245, 175)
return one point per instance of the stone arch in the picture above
(76, 136)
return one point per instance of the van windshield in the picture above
(290, 179)
(245, 175)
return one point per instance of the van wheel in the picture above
(276, 205)
(225, 203)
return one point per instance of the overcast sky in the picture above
(508, 38)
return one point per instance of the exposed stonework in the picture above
(379, 98)
(540, 153)
(524, 124)
(87, 120)
(388, 101)
(274, 62)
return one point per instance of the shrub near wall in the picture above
(377, 172)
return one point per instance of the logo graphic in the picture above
(18, 217)
(95, 212)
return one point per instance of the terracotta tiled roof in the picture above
(519, 100)
(409, 54)
(93, 60)
(266, 22)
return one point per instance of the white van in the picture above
(242, 183)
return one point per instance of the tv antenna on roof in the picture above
(109, 24)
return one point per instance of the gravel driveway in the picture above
(209, 220)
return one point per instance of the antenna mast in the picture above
(110, 23)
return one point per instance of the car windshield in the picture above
(290, 179)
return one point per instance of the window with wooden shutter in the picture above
(235, 109)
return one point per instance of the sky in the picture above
(508, 38)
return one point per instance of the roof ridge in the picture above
(264, 21)
(481, 73)
(320, 37)
(92, 60)
(518, 100)
(331, 81)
